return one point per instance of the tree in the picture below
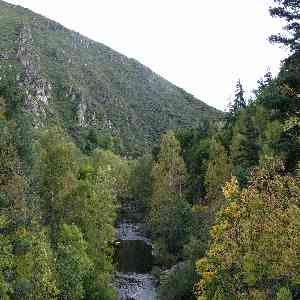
(235, 106)
(289, 10)
(91, 206)
(43, 273)
(169, 212)
(175, 225)
(255, 241)
(239, 100)
(141, 182)
(284, 294)
(73, 262)
(264, 82)
(78, 191)
(6, 260)
(56, 176)
(168, 175)
(244, 149)
(169, 170)
(119, 169)
(219, 170)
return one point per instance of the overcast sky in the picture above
(202, 46)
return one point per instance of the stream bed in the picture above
(134, 259)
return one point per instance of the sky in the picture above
(202, 46)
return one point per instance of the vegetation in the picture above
(57, 221)
(220, 198)
(93, 88)
(242, 181)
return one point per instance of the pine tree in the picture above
(289, 10)
(239, 100)
(244, 149)
(264, 82)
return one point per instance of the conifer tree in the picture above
(239, 100)
(244, 149)
(289, 10)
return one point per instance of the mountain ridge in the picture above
(86, 84)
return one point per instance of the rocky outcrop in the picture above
(82, 113)
(37, 89)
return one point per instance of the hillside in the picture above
(84, 84)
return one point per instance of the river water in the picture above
(134, 260)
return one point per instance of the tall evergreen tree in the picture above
(244, 149)
(239, 100)
(289, 10)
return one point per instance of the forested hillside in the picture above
(218, 197)
(89, 88)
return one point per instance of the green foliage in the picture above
(195, 144)
(58, 202)
(175, 225)
(78, 192)
(141, 182)
(56, 171)
(239, 100)
(43, 273)
(179, 283)
(119, 168)
(219, 170)
(6, 260)
(73, 262)
(255, 239)
(289, 11)
(168, 173)
(244, 148)
(168, 176)
(118, 96)
(284, 294)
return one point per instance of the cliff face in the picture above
(85, 84)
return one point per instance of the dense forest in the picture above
(220, 200)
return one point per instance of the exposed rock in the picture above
(80, 41)
(81, 113)
(37, 89)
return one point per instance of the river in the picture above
(134, 259)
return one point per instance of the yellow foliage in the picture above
(208, 276)
(201, 264)
(233, 210)
(256, 237)
(231, 188)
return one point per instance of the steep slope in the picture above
(85, 84)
